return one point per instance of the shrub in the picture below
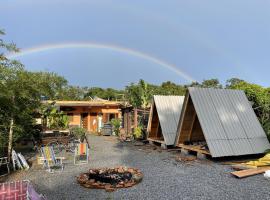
(116, 123)
(78, 132)
(138, 133)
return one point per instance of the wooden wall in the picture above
(155, 131)
(92, 114)
(190, 130)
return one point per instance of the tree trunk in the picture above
(10, 138)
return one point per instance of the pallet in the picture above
(193, 148)
(157, 142)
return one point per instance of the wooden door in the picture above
(93, 122)
(84, 120)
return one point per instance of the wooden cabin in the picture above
(91, 115)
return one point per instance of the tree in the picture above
(108, 93)
(211, 83)
(51, 85)
(260, 100)
(232, 82)
(20, 93)
(133, 95)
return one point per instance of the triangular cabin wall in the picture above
(155, 131)
(190, 128)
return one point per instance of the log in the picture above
(249, 172)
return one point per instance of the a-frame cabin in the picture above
(222, 119)
(164, 118)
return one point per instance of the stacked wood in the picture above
(250, 172)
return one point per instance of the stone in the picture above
(137, 178)
(120, 170)
(110, 189)
(184, 152)
(201, 156)
(128, 184)
(164, 146)
(95, 184)
(119, 186)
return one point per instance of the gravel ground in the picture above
(164, 178)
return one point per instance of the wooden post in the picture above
(10, 138)
(10, 135)
(128, 123)
(135, 118)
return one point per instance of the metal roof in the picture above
(86, 103)
(169, 110)
(228, 121)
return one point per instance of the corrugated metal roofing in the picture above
(228, 121)
(169, 110)
(86, 103)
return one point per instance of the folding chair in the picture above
(49, 159)
(81, 154)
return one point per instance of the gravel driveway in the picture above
(164, 178)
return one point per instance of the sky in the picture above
(111, 43)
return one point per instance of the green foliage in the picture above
(260, 98)
(50, 85)
(211, 83)
(19, 97)
(140, 95)
(53, 118)
(232, 82)
(78, 132)
(138, 132)
(108, 93)
(116, 123)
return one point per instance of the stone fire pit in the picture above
(110, 178)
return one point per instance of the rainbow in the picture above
(132, 52)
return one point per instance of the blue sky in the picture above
(203, 39)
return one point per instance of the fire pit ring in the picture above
(110, 179)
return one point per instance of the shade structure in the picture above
(164, 117)
(224, 119)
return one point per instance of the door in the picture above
(93, 122)
(84, 120)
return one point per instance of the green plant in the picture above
(138, 133)
(53, 118)
(116, 123)
(78, 132)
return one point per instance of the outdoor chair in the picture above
(81, 154)
(50, 161)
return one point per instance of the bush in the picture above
(78, 132)
(138, 133)
(116, 123)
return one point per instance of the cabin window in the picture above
(111, 116)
